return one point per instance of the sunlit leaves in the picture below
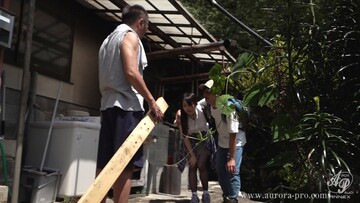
(219, 78)
(243, 61)
(222, 103)
(261, 95)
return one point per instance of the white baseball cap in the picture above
(208, 85)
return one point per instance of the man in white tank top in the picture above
(122, 60)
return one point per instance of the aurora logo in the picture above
(339, 182)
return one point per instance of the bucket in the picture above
(39, 186)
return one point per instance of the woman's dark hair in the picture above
(190, 99)
(131, 14)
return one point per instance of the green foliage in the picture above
(255, 14)
(219, 79)
(240, 76)
(281, 160)
(322, 135)
(260, 95)
(296, 176)
(282, 127)
(200, 139)
(244, 60)
(222, 80)
(305, 90)
(222, 104)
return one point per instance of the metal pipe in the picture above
(220, 45)
(51, 127)
(241, 24)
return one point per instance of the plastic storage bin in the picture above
(72, 149)
(39, 186)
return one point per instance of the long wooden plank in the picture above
(103, 182)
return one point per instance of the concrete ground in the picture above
(176, 185)
(183, 197)
(185, 194)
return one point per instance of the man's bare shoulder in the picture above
(131, 38)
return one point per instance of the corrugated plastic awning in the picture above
(171, 26)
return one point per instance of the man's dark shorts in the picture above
(116, 126)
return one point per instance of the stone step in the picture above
(4, 190)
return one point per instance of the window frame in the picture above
(15, 55)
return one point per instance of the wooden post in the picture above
(25, 86)
(103, 182)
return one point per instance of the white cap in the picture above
(208, 85)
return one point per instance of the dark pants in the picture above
(116, 126)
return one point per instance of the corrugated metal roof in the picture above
(171, 26)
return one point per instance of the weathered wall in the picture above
(81, 92)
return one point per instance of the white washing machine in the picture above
(72, 149)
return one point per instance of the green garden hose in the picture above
(4, 165)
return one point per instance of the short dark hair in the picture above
(131, 14)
